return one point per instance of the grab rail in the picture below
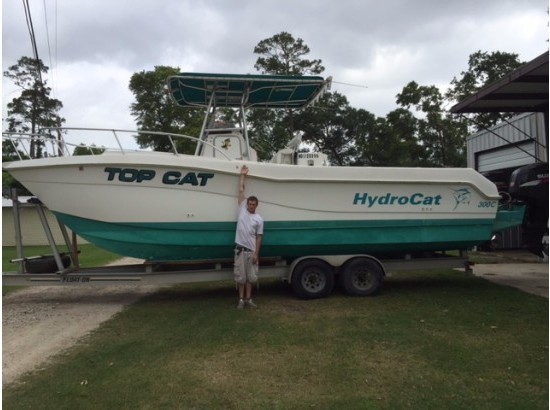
(14, 137)
(60, 147)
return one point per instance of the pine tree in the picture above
(33, 109)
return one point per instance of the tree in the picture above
(390, 141)
(84, 149)
(12, 151)
(280, 54)
(483, 69)
(332, 127)
(154, 111)
(441, 136)
(34, 108)
(268, 132)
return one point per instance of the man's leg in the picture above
(251, 280)
(240, 278)
(248, 288)
(248, 299)
(241, 303)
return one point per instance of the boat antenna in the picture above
(351, 85)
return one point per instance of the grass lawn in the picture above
(89, 255)
(430, 340)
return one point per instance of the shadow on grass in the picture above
(217, 291)
(433, 281)
(442, 281)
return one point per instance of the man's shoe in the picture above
(240, 305)
(251, 304)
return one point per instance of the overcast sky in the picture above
(96, 45)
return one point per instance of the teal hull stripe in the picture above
(208, 240)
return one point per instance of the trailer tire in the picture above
(362, 277)
(45, 264)
(312, 279)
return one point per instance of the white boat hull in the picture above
(161, 206)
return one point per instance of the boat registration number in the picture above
(75, 279)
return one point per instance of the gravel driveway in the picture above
(39, 322)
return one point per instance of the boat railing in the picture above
(14, 137)
(59, 146)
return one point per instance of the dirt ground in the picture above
(40, 322)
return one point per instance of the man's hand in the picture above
(244, 173)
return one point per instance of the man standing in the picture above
(248, 240)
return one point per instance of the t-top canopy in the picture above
(234, 90)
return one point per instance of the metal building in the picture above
(519, 141)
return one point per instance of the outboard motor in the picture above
(530, 185)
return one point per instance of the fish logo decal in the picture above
(226, 144)
(462, 196)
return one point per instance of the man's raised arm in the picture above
(244, 173)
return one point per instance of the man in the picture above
(248, 240)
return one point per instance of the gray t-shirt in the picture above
(248, 227)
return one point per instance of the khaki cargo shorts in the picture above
(245, 270)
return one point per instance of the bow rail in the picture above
(61, 142)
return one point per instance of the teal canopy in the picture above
(234, 90)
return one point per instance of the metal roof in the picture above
(523, 90)
(234, 90)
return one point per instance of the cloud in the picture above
(96, 45)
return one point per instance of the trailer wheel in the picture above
(362, 277)
(312, 279)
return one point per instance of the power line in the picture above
(33, 38)
(48, 40)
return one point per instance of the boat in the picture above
(168, 206)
